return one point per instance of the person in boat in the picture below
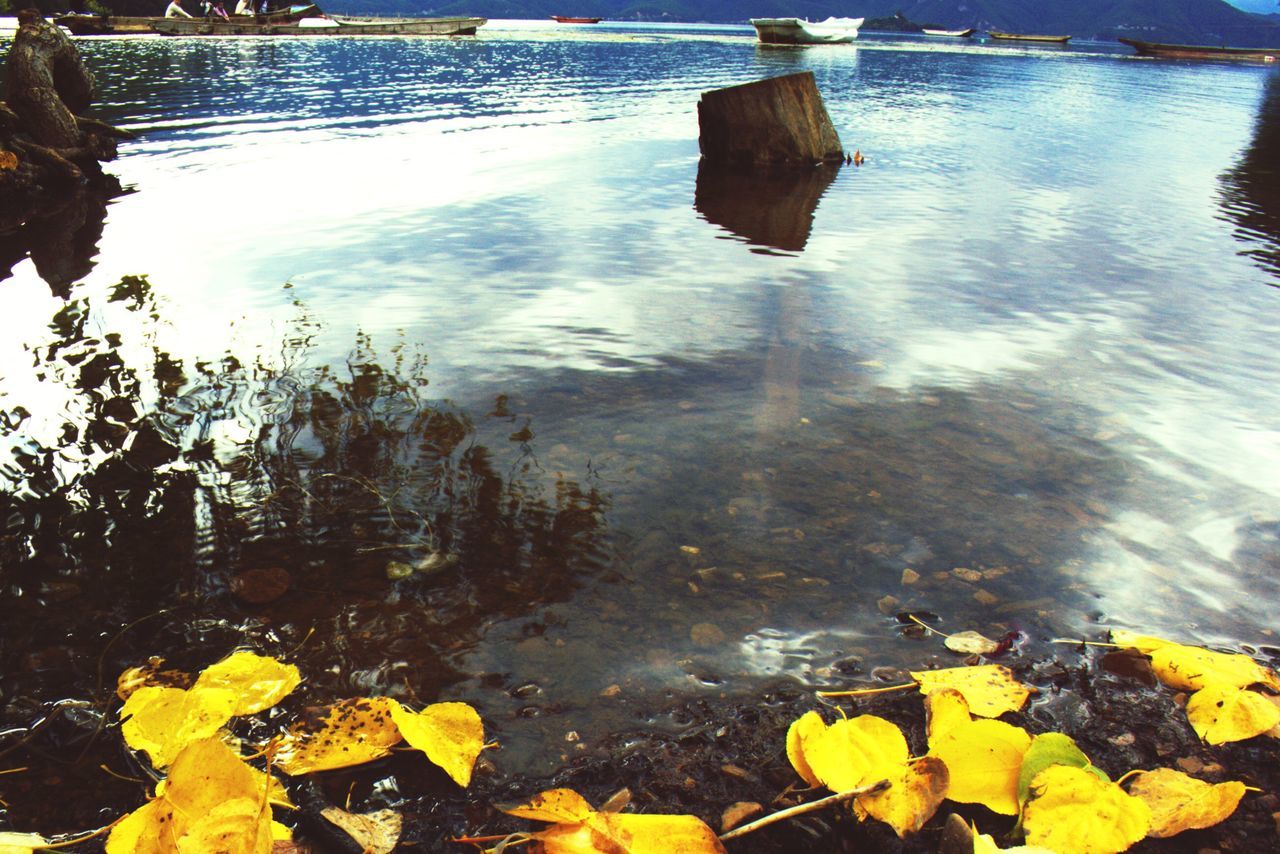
(244, 7)
(175, 10)
(219, 11)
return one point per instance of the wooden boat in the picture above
(955, 34)
(326, 26)
(565, 19)
(799, 31)
(1027, 37)
(114, 25)
(1191, 51)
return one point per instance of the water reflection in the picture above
(768, 207)
(61, 238)
(1251, 189)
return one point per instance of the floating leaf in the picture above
(350, 732)
(579, 829)
(944, 710)
(150, 673)
(970, 643)
(451, 734)
(375, 832)
(1046, 750)
(984, 758)
(162, 721)
(1222, 713)
(1133, 640)
(242, 825)
(259, 681)
(913, 797)
(1191, 668)
(1178, 802)
(209, 772)
(151, 827)
(989, 689)
(1072, 810)
(807, 727)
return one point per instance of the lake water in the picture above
(648, 432)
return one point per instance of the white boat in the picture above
(800, 31)
(955, 34)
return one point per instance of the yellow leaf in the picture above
(154, 826)
(990, 689)
(258, 681)
(1133, 640)
(451, 734)
(1072, 810)
(856, 752)
(627, 833)
(239, 826)
(1179, 802)
(970, 643)
(161, 721)
(376, 832)
(150, 673)
(984, 758)
(1222, 713)
(207, 773)
(1048, 749)
(912, 799)
(1191, 668)
(944, 709)
(351, 732)
(21, 843)
(804, 729)
(559, 806)
(986, 844)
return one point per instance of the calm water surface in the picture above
(647, 431)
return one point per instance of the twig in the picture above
(801, 809)
(863, 691)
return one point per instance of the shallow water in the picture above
(664, 431)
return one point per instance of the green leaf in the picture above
(1048, 749)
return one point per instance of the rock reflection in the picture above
(1251, 190)
(172, 490)
(61, 238)
(767, 207)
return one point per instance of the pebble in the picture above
(736, 814)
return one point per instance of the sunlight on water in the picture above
(373, 298)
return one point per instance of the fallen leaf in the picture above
(351, 732)
(21, 843)
(150, 673)
(1133, 640)
(1046, 750)
(1223, 713)
(375, 832)
(162, 721)
(735, 814)
(984, 758)
(1191, 668)
(944, 710)
(1072, 810)
(1178, 802)
(915, 792)
(258, 681)
(989, 689)
(242, 825)
(970, 643)
(559, 806)
(579, 829)
(451, 734)
(855, 752)
(807, 727)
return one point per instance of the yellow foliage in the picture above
(914, 794)
(258, 681)
(1073, 810)
(162, 721)
(1191, 668)
(21, 843)
(579, 829)
(806, 727)
(1178, 802)
(241, 825)
(989, 689)
(1222, 713)
(944, 709)
(855, 752)
(351, 732)
(375, 832)
(984, 758)
(451, 734)
(1133, 640)
(985, 844)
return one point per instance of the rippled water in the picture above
(664, 431)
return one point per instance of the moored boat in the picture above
(1027, 37)
(955, 34)
(115, 25)
(800, 31)
(1191, 51)
(567, 19)
(326, 26)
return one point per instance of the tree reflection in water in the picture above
(131, 514)
(1251, 189)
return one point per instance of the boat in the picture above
(566, 19)
(323, 26)
(1027, 37)
(955, 34)
(800, 31)
(1192, 51)
(115, 25)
